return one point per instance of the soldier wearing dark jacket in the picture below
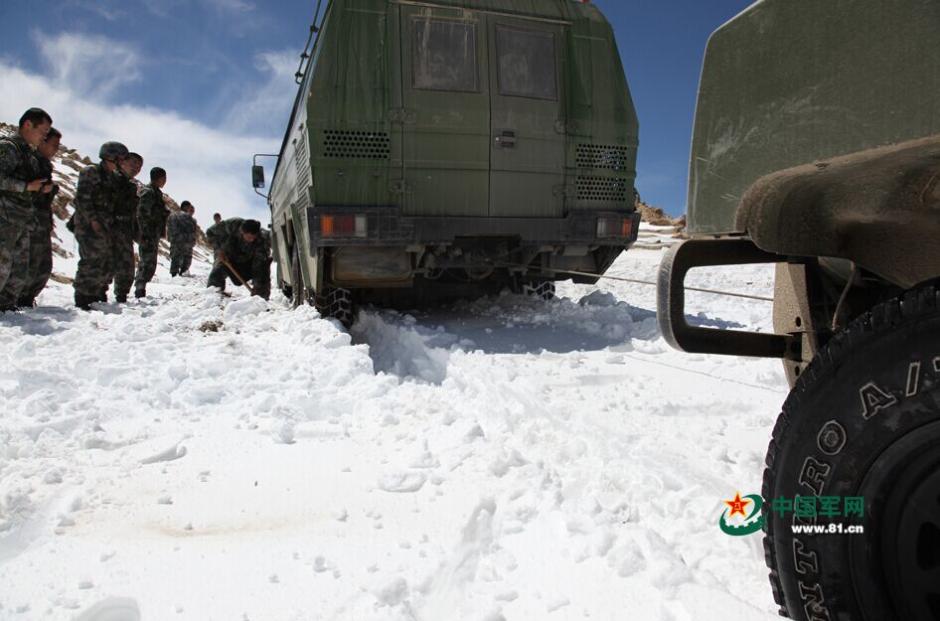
(20, 183)
(124, 230)
(93, 219)
(241, 252)
(152, 214)
(181, 231)
(40, 239)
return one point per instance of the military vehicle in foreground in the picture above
(817, 148)
(453, 146)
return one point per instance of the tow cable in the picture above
(640, 282)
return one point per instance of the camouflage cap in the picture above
(112, 151)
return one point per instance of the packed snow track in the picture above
(194, 457)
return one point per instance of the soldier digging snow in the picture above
(241, 252)
(125, 229)
(152, 214)
(181, 231)
(20, 183)
(40, 240)
(92, 221)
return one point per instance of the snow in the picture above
(196, 457)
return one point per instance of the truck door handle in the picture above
(506, 139)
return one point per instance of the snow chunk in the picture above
(248, 307)
(402, 482)
(112, 609)
(603, 299)
(393, 593)
(177, 451)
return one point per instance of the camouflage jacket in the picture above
(125, 206)
(181, 229)
(152, 213)
(227, 237)
(43, 202)
(94, 198)
(18, 167)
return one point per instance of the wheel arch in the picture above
(878, 208)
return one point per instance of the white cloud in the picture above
(207, 166)
(232, 5)
(266, 107)
(108, 10)
(87, 65)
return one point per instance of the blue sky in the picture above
(214, 77)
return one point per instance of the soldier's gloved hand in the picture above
(97, 228)
(221, 256)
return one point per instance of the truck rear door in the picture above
(526, 77)
(446, 112)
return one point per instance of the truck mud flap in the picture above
(697, 340)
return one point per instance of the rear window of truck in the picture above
(526, 63)
(445, 55)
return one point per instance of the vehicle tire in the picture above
(336, 303)
(862, 421)
(542, 289)
(298, 291)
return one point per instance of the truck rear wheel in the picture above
(863, 421)
(541, 289)
(337, 303)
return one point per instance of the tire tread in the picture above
(917, 302)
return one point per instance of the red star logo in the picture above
(737, 505)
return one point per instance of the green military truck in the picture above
(817, 148)
(452, 146)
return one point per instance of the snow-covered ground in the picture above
(191, 457)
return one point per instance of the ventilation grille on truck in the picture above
(602, 189)
(602, 156)
(304, 178)
(356, 145)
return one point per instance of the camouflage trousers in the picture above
(40, 262)
(94, 265)
(181, 257)
(122, 263)
(257, 272)
(149, 249)
(14, 261)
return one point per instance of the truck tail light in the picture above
(611, 227)
(344, 226)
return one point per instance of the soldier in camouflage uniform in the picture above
(124, 230)
(40, 240)
(239, 244)
(216, 221)
(93, 219)
(181, 231)
(152, 214)
(20, 183)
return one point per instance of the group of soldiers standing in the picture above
(112, 211)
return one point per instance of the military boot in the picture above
(140, 293)
(84, 302)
